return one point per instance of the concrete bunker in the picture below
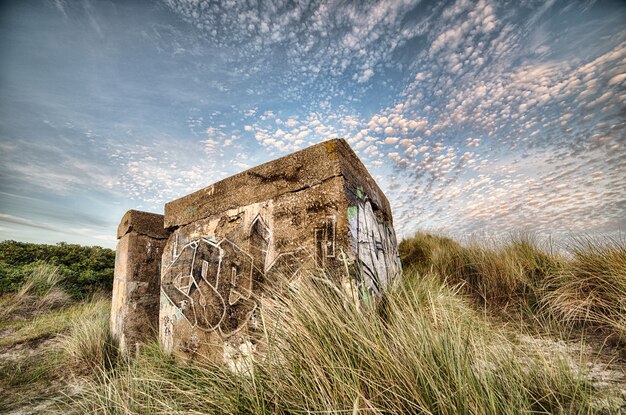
(221, 246)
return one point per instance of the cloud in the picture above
(27, 222)
(365, 76)
(471, 114)
(83, 232)
(47, 166)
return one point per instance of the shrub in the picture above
(11, 277)
(85, 270)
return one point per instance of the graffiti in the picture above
(168, 324)
(325, 241)
(175, 248)
(287, 264)
(258, 244)
(376, 250)
(210, 283)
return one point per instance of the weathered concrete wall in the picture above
(231, 240)
(135, 302)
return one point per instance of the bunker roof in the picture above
(292, 173)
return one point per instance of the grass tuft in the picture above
(590, 289)
(581, 285)
(39, 293)
(88, 344)
(320, 352)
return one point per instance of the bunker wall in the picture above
(135, 301)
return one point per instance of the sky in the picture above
(475, 117)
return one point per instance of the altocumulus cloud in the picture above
(473, 115)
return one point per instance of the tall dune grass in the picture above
(424, 350)
(40, 292)
(591, 287)
(87, 345)
(583, 284)
(45, 338)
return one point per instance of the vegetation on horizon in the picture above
(80, 270)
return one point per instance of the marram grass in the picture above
(583, 284)
(87, 345)
(591, 287)
(424, 350)
(40, 293)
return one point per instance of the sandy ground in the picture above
(601, 365)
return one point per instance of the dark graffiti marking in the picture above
(211, 284)
(259, 244)
(167, 322)
(325, 241)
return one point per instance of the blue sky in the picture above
(474, 117)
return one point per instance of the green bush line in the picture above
(83, 269)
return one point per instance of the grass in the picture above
(29, 379)
(431, 347)
(581, 285)
(87, 344)
(31, 369)
(591, 287)
(38, 328)
(28, 321)
(427, 352)
(46, 338)
(39, 293)
(39, 308)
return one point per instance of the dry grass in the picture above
(87, 344)
(591, 287)
(582, 285)
(39, 294)
(426, 352)
(45, 339)
(425, 349)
